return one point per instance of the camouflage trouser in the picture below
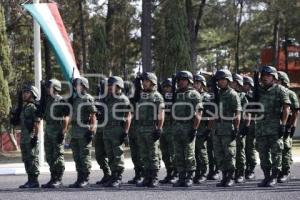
(113, 148)
(184, 149)
(287, 159)
(270, 151)
(225, 151)
(212, 162)
(54, 156)
(240, 153)
(167, 148)
(251, 160)
(135, 148)
(30, 158)
(149, 150)
(201, 155)
(100, 154)
(82, 156)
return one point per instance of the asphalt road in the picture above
(9, 190)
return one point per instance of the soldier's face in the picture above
(26, 95)
(79, 88)
(111, 89)
(147, 84)
(183, 83)
(223, 83)
(198, 85)
(246, 87)
(267, 79)
(167, 89)
(234, 85)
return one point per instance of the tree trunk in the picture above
(238, 34)
(275, 42)
(47, 59)
(146, 35)
(82, 35)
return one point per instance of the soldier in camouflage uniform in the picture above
(186, 112)
(29, 136)
(287, 160)
(227, 127)
(250, 150)
(203, 134)
(116, 130)
(237, 85)
(83, 128)
(272, 127)
(55, 131)
(150, 118)
(166, 140)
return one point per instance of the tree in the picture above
(146, 35)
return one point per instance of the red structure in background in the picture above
(292, 58)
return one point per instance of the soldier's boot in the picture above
(197, 176)
(57, 182)
(174, 177)
(84, 181)
(168, 177)
(106, 177)
(189, 179)
(48, 184)
(181, 180)
(240, 176)
(213, 175)
(250, 175)
(145, 182)
(273, 180)
(75, 184)
(223, 181)
(153, 182)
(266, 178)
(137, 177)
(229, 179)
(116, 179)
(25, 184)
(31, 183)
(284, 176)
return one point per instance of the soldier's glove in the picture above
(60, 137)
(234, 133)
(34, 141)
(244, 131)
(192, 134)
(156, 134)
(282, 130)
(292, 131)
(206, 134)
(88, 136)
(123, 138)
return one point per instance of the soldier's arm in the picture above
(93, 123)
(285, 100)
(127, 121)
(294, 118)
(238, 108)
(197, 119)
(199, 109)
(65, 124)
(161, 118)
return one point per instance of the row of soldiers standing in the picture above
(167, 124)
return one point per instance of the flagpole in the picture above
(38, 78)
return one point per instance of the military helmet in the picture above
(167, 82)
(116, 80)
(248, 80)
(269, 70)
(283, 77)
(185, 75)
(223, 74)
(32, 89)
(83, 81)
(150, 76)
(56, 84)
(238, 78)
(199, 77)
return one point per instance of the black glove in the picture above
(88, 136)
(123, 138)
(206, 134)
(292, 131)
(60, 137)
(282, 130)
(234, 133)
(244, 131)
(34, 141)
(192, 134)
(156, 134)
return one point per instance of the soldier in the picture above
(100, 154)
(186, 112)
(29, 136)
(116, 130)
(287, 160)
(83, 128)
(237, 85)
(272, 127)
(250, 151)
(227, 127)
(166, 140)
(203, 133)
(150, 118)
(55, 131)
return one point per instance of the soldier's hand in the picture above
(123, 138)
(292, 132)
(234, 133)
(34, 141)
(193, 134)
(60, 137)
(244, 131)
(206, 134)
(89, 136)
(156, 134)
(282, 130)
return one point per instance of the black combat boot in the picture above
(153, 182)
(273, 180)
(223, 181)
(49, 183)
(229, 179)
(240, 176)
(146, 180)
(168, 177)
(174, 177)
(31, 183)
(116, 179)
(57, 182)
(197, 177)
(266, 179)
(181, 181)
(106, 177)
(250, 175)
(284, 176)
(137, 177)
(213, 175)
(189, 179)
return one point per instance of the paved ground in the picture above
(9, 190)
